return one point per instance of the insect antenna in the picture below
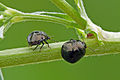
(54, 40)
(51, 38)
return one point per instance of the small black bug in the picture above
(36, 38)
(73, 50)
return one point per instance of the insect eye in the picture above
(41, 37)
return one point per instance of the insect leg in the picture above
(47, 43)
(41, 46)
(35, 47)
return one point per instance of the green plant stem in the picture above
(2, 6)
(55, 14)
(46, 18)
(26, 55)
(1, 75)
(64, 6)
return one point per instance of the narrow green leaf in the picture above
(1, 75)
(68, 9)
(6, 14)
(81, 34)
(2, 7)
(81, 9)
(55, 14)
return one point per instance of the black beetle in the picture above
(36, 38)
(73, 50)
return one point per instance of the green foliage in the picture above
(89, 68)
(77, 20)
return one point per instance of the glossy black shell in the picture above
(36, 42)
(73, 50)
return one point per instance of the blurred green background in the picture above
(105, 13)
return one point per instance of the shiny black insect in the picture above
(73, 50)
(37, 38)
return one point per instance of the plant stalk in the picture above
(67, 8)
(1, 75)
(2, 6)
(46, 18)
(26, 55)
